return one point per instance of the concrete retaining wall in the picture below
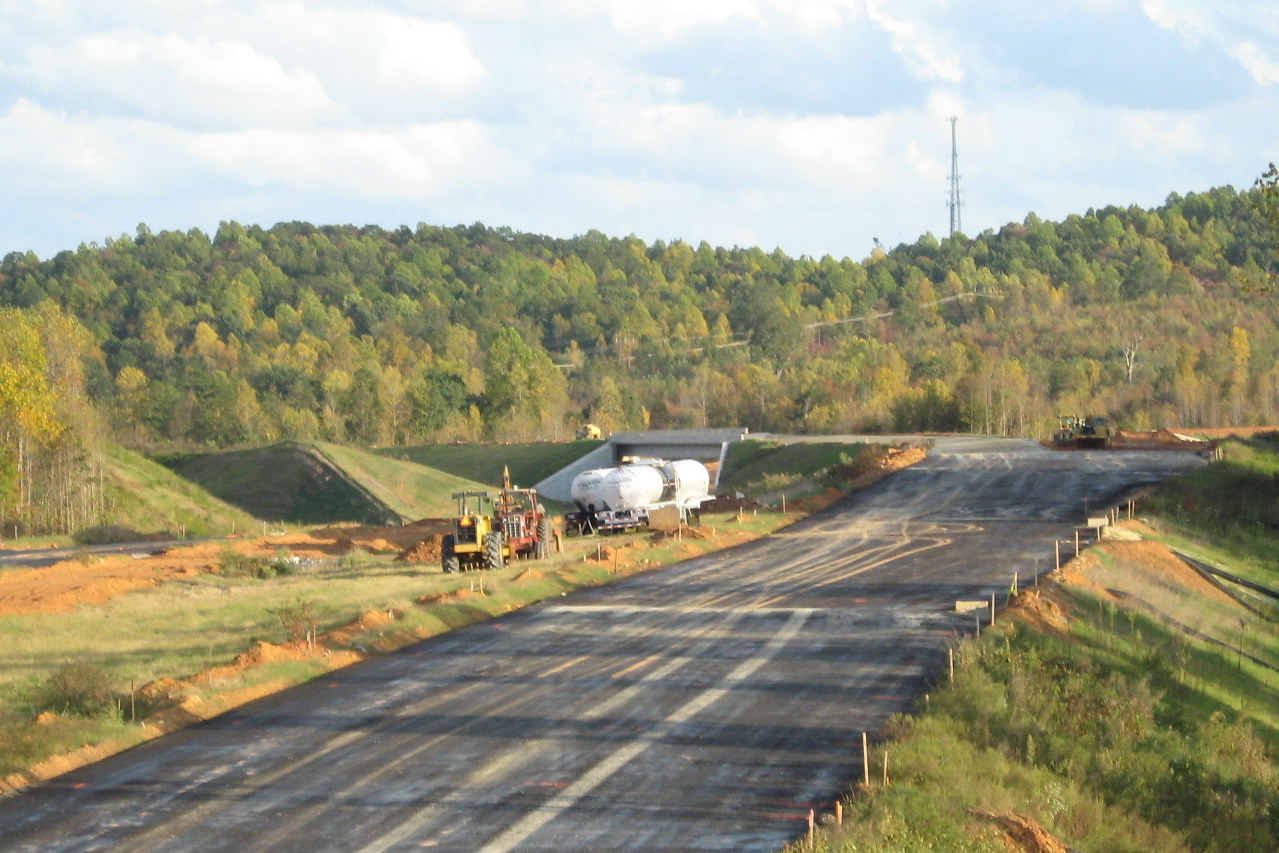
(557, 486)
(704, 444)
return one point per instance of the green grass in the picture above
(1124, 736)
(147, 497)
(1136, 731)
(758, 466)
(1143, 591)
(529, 463)
(321, 484)
(1232, 505)
(411, 490)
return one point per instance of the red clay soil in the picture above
(1226, 432)
(1156, 560)
(64, 586)
(424, 551)
(1021, 833)
(1146, 559)
(1159, 439)
(1039, 612)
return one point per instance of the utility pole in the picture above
(955, 224)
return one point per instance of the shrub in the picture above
(107, 534)
(299, 619)
(78, 689)
(234, 564)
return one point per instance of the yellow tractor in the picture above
(465, 547)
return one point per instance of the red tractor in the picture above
(525, 527)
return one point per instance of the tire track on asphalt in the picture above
(708, 636)
(404, 719)
(520, 832)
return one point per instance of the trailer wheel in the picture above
(493, 551)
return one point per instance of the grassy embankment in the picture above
(319, 483)
(1228, 515)
(1146, 719)
(168, 636)
(146, 499)
(528, 463)
(810, 472)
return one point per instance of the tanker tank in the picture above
(621, 498)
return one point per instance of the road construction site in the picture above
(707, 706)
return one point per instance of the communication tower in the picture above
(955, 224)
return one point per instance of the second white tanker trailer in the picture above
(621, 498)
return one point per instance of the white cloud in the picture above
(370, 48)
(44, 152)
(816, 14)
(664, 118)
(185, 81)
(658, 21)
(1222, 24)
(1159, 133)
(923, 50)
(1192, 22)
(1263, 69)
(418, 161)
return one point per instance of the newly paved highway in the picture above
(704, 707)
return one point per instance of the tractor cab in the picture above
(473, 517)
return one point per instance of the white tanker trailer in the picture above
(621, 498)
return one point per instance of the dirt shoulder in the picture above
(64, 586)
(1143, 575)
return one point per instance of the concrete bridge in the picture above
(706, 445)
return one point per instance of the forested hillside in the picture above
(367, 336)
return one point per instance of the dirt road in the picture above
(705, 707)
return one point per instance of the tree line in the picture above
(375, 337)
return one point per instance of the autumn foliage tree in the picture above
(372, 336)
(50, 437)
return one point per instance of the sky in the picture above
(813, 126)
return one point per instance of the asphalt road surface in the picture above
(708, 706)
(36, 557)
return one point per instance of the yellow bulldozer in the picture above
(1086, 432)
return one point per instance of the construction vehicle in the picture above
(622, 498)
(489, 531)
(1086, 432)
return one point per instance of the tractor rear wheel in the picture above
(448, 555)
(493, 558)
(542, 549)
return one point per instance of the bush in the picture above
(107, 534)
(78, 689)
(234, 564)
(299, 619)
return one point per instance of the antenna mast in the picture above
(955, 224)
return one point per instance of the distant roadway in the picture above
(37, 557)
(707, 706)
